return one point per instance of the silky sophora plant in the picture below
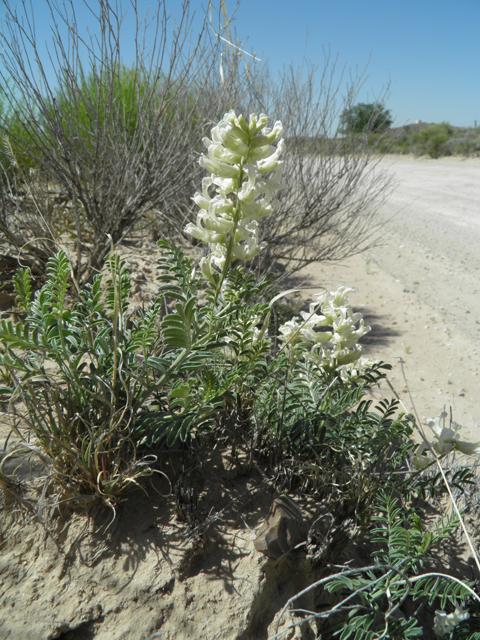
(237, 194)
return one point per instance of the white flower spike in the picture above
(239, 154)
(333, 334)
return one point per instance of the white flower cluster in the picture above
(333, 333)
(237, 194)
(445, 623)
(446, 441)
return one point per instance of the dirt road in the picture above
(420, 288)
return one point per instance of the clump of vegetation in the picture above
(365, 118)
(433, 140)
(97, 391)
(374, 122)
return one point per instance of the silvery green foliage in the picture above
(75, 372)
(387, 598)
(96, 381)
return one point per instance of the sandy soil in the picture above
(419, 288)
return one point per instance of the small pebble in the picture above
(461, 392)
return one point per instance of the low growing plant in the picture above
(93, 382)
(74, 378)
(94, 388)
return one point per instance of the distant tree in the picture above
(365, 118)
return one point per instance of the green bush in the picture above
(433, 140)
(95, 382)
(96, 385)
(107, 102)
(79, 378)
(365, 118)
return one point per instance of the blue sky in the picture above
(427, 51)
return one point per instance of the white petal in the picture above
(268, 136)
(221, 169)
(468, 448)
(434, 424)
(272, 162)
(248, 191)
(201, 201)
